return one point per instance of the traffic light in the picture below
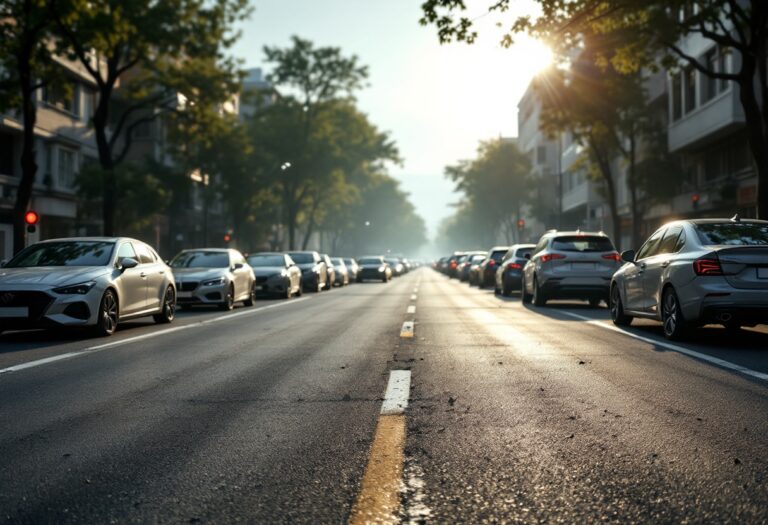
(227, 237)
(520, 224)
(695, 201)
(30, 219)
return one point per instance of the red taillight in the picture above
(453, 264)
(491, 263)
(551, 256)
(612, 256)
(514, 266)
(707, 266)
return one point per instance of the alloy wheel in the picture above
(108, 313)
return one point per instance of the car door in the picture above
(154, 273)
(655, 266)
(294, 273)
(242, 274)
(635, 277)
(133, 282)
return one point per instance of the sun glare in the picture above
(533, 56)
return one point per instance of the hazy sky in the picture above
(436, 101)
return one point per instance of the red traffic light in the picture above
(227, 237)
(31, 218)
(695, 198)
(520, 224)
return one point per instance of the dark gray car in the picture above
(314, 275)
(276, 274)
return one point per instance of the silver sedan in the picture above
(91, 282)
(213, 276)
(695, 272)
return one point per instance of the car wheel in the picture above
(618, 316)
(525, 297)
(166, 315)
(288, 293)
(506, 290)
(251, 297)
(672, 316)
(539, 299)
(229, 300)
(109, 314)
(299, 291)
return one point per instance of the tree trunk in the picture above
(28, 161)
(109, 183)
(632, 183)
(605, 170)
(757, 123)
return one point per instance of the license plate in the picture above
(583, 266)
(762, 273)
(259, 287)
(183, 295)
(15, 311)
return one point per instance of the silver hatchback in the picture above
(570, 265)
(694, 272)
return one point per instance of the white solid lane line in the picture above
(128, 340)
(673, 347)
(398, 391)
(411, 309)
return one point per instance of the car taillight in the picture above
(551, 256)
(491, 263)
(707, 265)
(612, 256)
(514, 266)
(453, 264)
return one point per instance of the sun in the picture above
(532, 56)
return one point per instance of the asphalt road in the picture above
(268, 415)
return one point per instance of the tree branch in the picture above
(129, 136)
(698, 66)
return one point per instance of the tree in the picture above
(25, 66)
(314, 77)
(164, 55)
(496, 185)
(652, 29)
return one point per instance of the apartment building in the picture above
(63, 143)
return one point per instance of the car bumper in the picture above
(512, 280)
(39, 308)
(272, 285)
(203, 295)
(718, 302)
(576, 288)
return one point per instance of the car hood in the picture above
(307, 266)
(266, 271)
(188, 274)
(50, 275)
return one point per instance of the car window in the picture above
(651, 245)
(733, 233)
(582, 243)
(522, 252)
(201, 259)
(145, 256)
(669, 241)
(680, 241)
(541, 245)
(497, 255)
(66, 253)
(266, 260)
(126, 251)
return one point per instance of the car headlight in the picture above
(381, 268)
(215, 282)
(284, 273)
(79, 289)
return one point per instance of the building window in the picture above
(690, 89)
(716, 60)
(63, 96)
(6, 155)
(89, 103)
(67, 168)
(677, 97)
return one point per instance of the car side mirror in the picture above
(128, 263)
(628, 256)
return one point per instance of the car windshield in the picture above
(302, 258)
(522, 252)
(478, 258)
(200, 259)
(582, 243)
(733, 233)
(64, 253)
(266, 260)
(393, 262)
(369, 260)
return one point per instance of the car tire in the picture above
(287, 294)
(166, 315)
(299, 292)
(252, 297)
(616, 307)
(229, 300)
(673, 323)
(525, 297)
(109, 314)
(506, 290)
(539, 299)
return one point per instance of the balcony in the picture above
(708, 122)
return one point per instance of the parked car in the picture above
(452, 264)
(373, 268)
(93, 282)
(694, 272)
(314, 276)
(352, 268)
(398, 268)
(213, 276)
(474, 271)
(570, 265)
(468, 260)
(342, 273)
(487, 269)
(509, 273)
(276, 274)
(330, 271)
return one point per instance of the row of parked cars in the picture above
(688, 273)
(99, 281)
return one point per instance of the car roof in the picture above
(575, 233)
(219, 250)
(92, 239)
(499, 248)
(714, 221)
(265, 253)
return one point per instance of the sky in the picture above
(437, 102)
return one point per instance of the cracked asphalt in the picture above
(516, 415)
